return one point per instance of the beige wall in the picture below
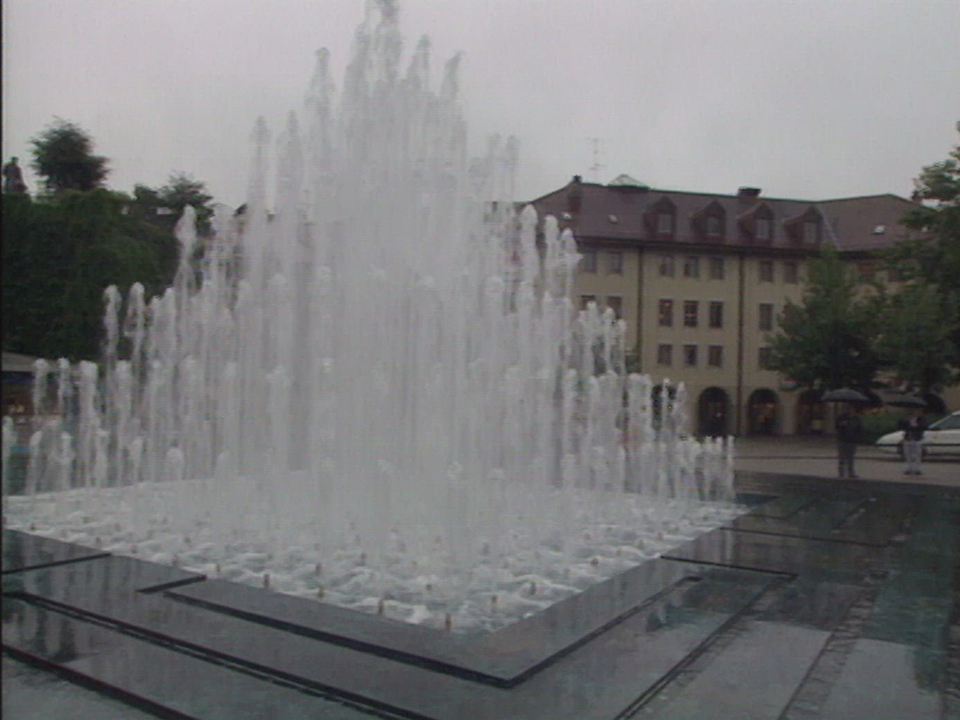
(641, 287)
(603, 284)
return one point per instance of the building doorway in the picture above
(713, 410)
(811, 413)
(762, 412)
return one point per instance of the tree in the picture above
(63, 156)
(59, 257)
(827, 341)
(914, 337)
(164, 206)
(929, 265)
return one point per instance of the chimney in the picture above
(748, 193)
(575, 195)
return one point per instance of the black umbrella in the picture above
(908, 401)
(844, 395)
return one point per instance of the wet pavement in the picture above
(828, 600)
(817, 457)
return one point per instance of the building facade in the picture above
(700, 279)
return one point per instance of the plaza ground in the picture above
(817, 457)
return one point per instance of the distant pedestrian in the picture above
(13, 177)
(913, 427)
(849, 428)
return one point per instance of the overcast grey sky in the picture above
(804, 98)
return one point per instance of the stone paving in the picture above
(817, 457)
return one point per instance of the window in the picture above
(766, 271)
(811, 232)
(666, 266)
(691, 266)
(691, 313)
(665, 222)
(615, 263)
(666, 313)
(765, 355)
(762, 229)
(664, 354)
(714, 226)
(588, 261)
(715, 356)
(766, 316)
(586, 300)
(716, 268)
(690, 355)
(716, 313)
(790, 273)
(615, 303)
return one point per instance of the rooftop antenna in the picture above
(596, 166)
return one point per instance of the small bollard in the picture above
(447, 622)
(493, 602)
(381, 607)
(266, 580)
(320, 593)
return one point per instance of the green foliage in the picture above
(915, 336)
(63, 156)
(930, 267)
(59, 256)
(827, 340)
(164, 206)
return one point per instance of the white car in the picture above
(941, 438)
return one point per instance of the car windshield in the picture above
(950, 422)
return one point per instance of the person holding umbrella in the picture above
(913, 427)
(849, 431)
(848, 426)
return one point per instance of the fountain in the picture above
(379, 393)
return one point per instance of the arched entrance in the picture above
(811, 413)
(762, 412)
(713, 409)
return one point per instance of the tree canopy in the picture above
(163, 206)
(921, 334)
(63, 249)
(827, 341)
(59, 257)
(63, 157)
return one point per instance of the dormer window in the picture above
(756, 225)
(811, 232)
(664, 222)
(714, 226)
(660, 219)
(710, 223)
(762, 227)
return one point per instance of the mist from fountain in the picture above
(390, 358)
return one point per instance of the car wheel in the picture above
(900, 451)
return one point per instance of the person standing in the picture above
(849, 428)
(13, 178)
(913, 427)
